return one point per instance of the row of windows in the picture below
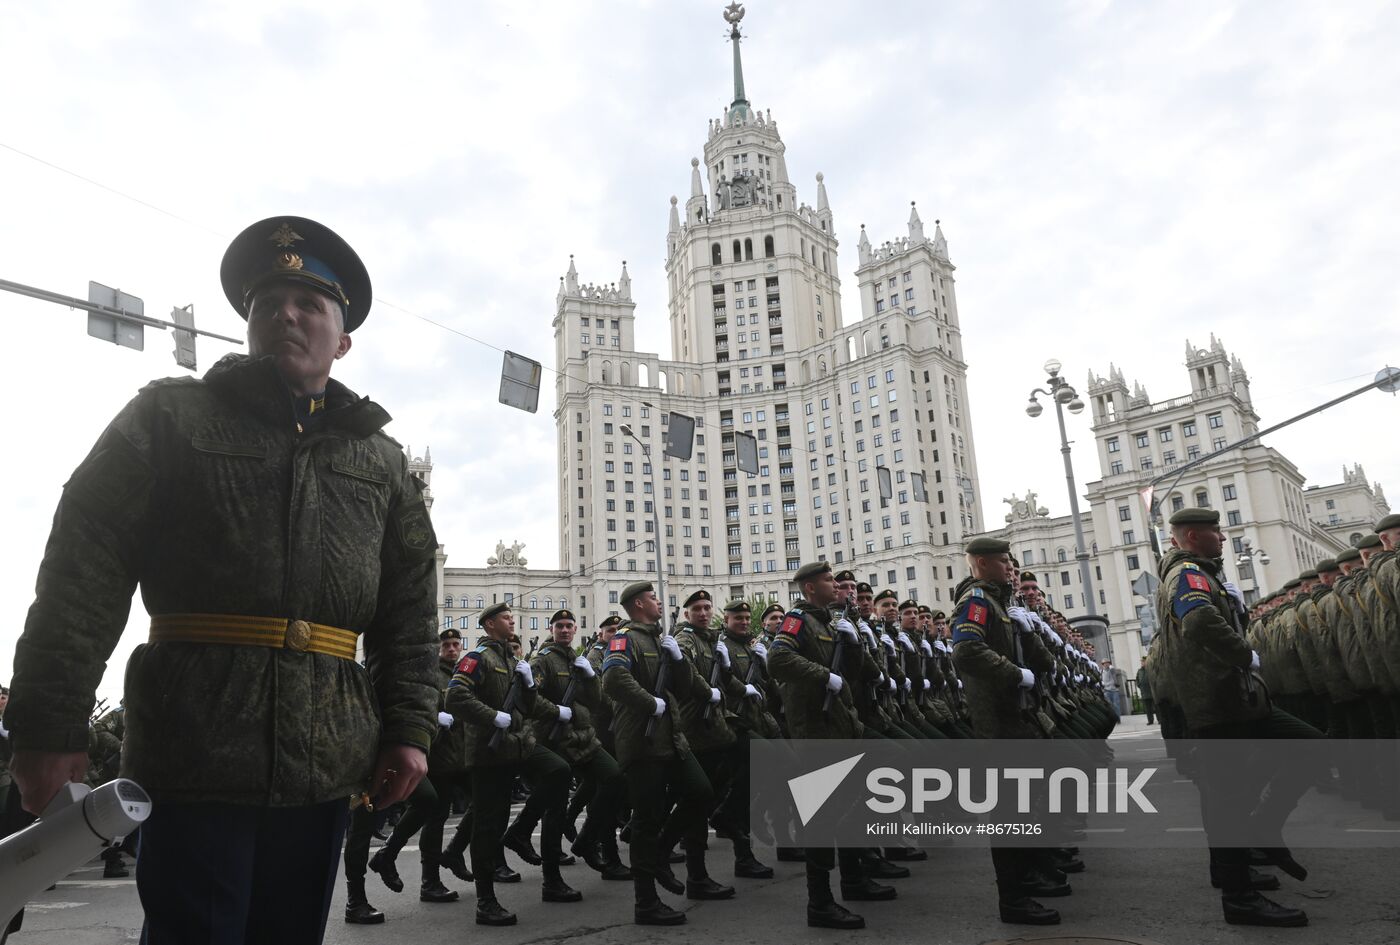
(466, 602)
(1166, 434)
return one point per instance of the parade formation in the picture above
(297, 696)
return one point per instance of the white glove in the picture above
(891, 685)
(834, 682)
(843, 625)
(925, 648)
(584, 666)
(714, 696)
(523, 668)
(750, 692)
(1235, 592)
(722, 654)
(1079, 677)
(868, 633)
(1056, 637)
(1253, 659)
(669, 644)
(760, 651)
(887, 643)
(909, 684)
(1022, 618)
(1027, 679)
(4, 732)
(660, 706)
(565, 713)
(502, 720)
(445, 720)
(927, 684)
(959, 683)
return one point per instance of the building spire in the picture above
(739, 108)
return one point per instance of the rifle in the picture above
(567, 701)
(1251, 692)
(752, 674)
(838, 654)
(716, 674)
(901, 696)
(663, 682)
(920, 699)
(1028, 697)
(98, 711)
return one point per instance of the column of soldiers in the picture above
(653, 727)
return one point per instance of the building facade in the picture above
(1141, 445)
(761, 345)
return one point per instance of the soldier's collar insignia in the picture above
(285, 236)
(977, 592)
(316, 404)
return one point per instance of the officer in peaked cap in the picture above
(273, 488)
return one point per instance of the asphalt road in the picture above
(1159, 896)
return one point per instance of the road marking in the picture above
(84, 884)
(46, 906)
(1186, 830)
(1373, 830)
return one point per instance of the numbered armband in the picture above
(468, 671)
(1192, 590)
(619, 652)
(971, 618)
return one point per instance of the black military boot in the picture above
(454, 858)
(504, 874)
(746, 865)
(877, 867)
(432, 890)
(383, 864)
(1250, 908)
(491, 912)
(113, 867)
(1026, 911)
(698, 884)
(866, 890)
(358, 911)
(656, 912)
(832, 915)
(667, 880)
(519, 844)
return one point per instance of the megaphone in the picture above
(73, 829)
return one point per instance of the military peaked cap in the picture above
(295, 249)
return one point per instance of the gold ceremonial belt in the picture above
(302, 636)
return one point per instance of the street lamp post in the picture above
(1064, 395)
(655, 518)
(1246, 557)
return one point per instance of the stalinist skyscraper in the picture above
(761, 344)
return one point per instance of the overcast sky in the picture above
(1112, 179)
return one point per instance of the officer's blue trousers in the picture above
(225, 874)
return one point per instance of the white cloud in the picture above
(1112, 179)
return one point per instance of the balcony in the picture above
(775, 321)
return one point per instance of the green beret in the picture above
(611, 620)
(987, 546)
(633, 590)
(699, 595)
(1028, 577)
(449, 634)
(1195, 516)
(886, 593)
(863, 588)
(1370, 541)
(494, 610)
(1292, 584)
(809, 571)
(1308, 575)
(847, 575)
(908, 604)
(561, 615)
(736, 605)
(1327, 564)
(939, 615)
(925, 609)
(1390, 521)
(773, 609)
(1351, 554)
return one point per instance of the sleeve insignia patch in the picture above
(977, 613)
(792, 625)
(617, 644)
(1197, 581)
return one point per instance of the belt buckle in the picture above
(298, 636)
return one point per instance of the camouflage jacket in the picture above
(629, 679)
(449, 753)
(479, 689)
(748, 714)
(1378, 594)
(1309, 610)
(1350, 594)
(602, 713)
(698, 645)
(554, 668)
(204, 494)
(1336, 610)
(1305, 665)
(105, 747)
(800, 661)
(1205, 655)
(984, 654)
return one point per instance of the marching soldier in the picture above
(655, 756)
(570, 681)
(492, 692)
(1212, 671)
(801, 661)
(985, 654)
